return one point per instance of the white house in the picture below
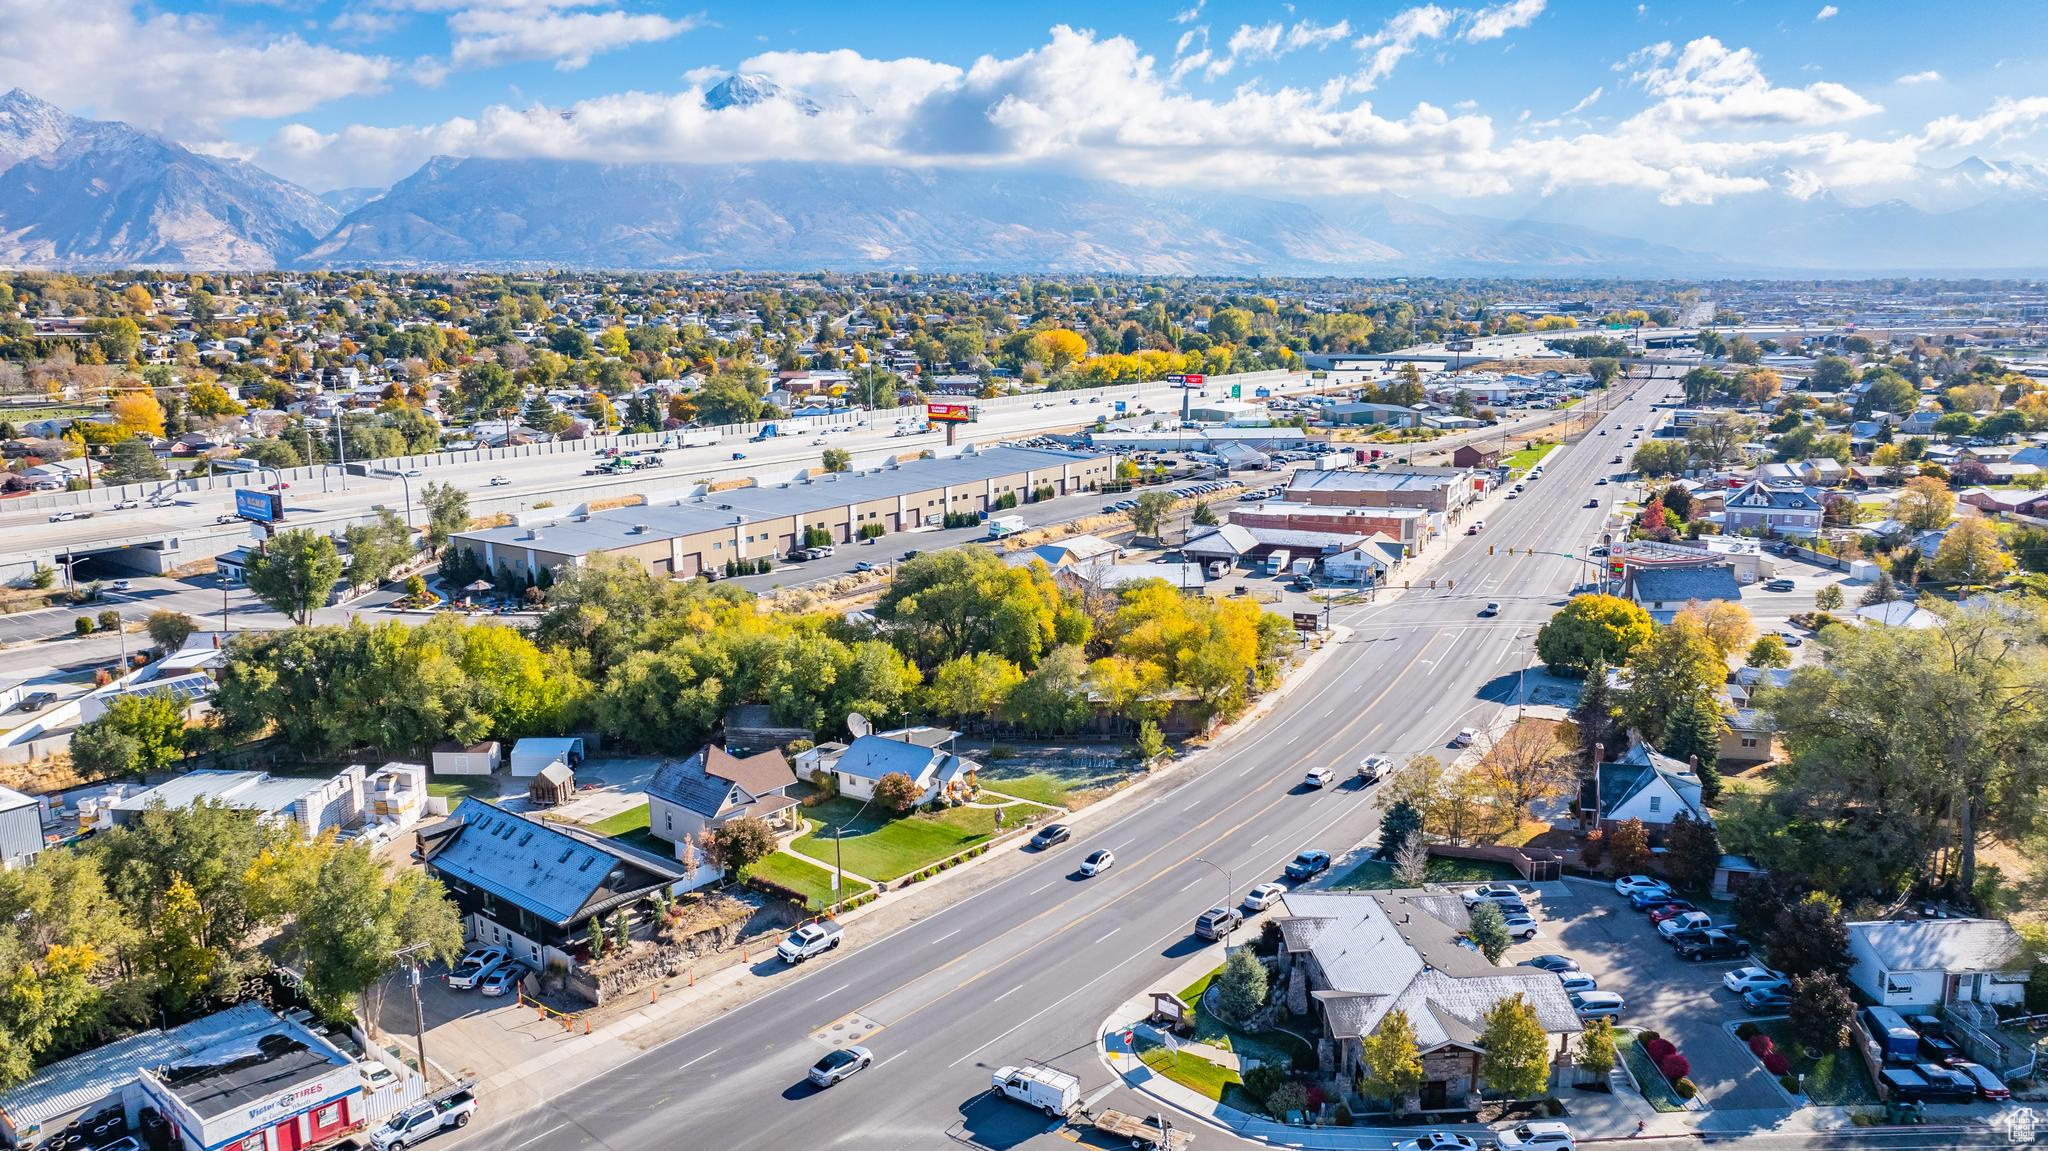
(1762, 507)
(918, 752)
(1923, 962)
(1645, 785)
(532, 754)
(1368, 562)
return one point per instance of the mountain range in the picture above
(79, 193)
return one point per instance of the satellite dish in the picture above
(858, 724)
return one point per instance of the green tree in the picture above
(966, 600)
(838, 460)
(729, 398)
(169, 630)
(1694, 733)
(1828, 597)
(155, 721)
(132, 462)
(1402, 820)
(740, 843)
(1594, 1053)
(1810, 936)
(1150, 512)
(1393, 1061)
(1595, 716)
(896, 792)
(295, 572)
(356, 915)
(1590, 629)
(1692, 852)
(1832, 374)
(1242, 986)
(1204, 516)
(1054, 697)
(1517, 1062)
(487, 389)
(102, 751)
(1678, 666)
(374, 549)
(1770, 651)
(1821, 1009)
(1489, 930)
(61, 937)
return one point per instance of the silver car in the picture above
(839, 1065)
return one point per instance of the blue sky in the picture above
(1508, 101)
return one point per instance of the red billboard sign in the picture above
(948, 413)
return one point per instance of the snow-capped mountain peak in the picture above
(31, 126)
(748, 89)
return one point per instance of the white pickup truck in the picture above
(810, 939)
(413, 1124)
(1051, 1091)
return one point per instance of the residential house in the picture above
(1352, 958)
(1482, 457)
(1664, 591)
(533, 753)
(1187, 578)
(1921, 963)
(1641, 784)
(1074, 551)
(1898, 613)
(1773, 510)
(1368, 562)
(1750, 738)
(532, 886)
(714, 787)
(917, 752)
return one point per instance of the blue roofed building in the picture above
(710, 789)
(918, 752)
(533, 886)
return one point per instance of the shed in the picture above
(530, 755)
(21, 828)
(555, 784)
(451, 758)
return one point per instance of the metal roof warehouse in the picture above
(704, 530)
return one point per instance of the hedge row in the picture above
(946, 864)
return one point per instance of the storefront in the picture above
(279, 1091)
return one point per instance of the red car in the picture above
(1664, 911)
(278, 487)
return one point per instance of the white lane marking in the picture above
(1261, 839)
(1188, 884)
(1247, 771)
(541, 1136)
(1041, 887)
(1112, 931)
(831, 993)
(946, 936)
(1007, 994)
(885, 1061)
(1198, 803)
(1292, 738)
(700, 1058)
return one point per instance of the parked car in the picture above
(413, 1124)
(1263, 896)
(1630, 884)
(1750, 977)
(1683, 924)
(1577, 982)
(1318, 777)
(476, 965)
(809, 940)
(1522, 926)
(1713, 944)
(1493, 891)
(1779, 585)
(1098, 862)
(1558, 963)
(1439, 1141)
(1989, 1085)
(1308, 865)
(1598, 1005)
(1927, 1083)
(120, 585)
(1051, 835)
(838, 1065)
(1547, 1135)
(1662, 911)
(38, 700)
(504, 980)
(1644, 900)
(1217, 922)
(1767, 1000)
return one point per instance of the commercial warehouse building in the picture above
(702, 532)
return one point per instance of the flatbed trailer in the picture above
(1144, 1130)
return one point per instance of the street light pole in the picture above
(419, 1015)
(1229, 889)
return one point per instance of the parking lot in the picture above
(1684, 1002)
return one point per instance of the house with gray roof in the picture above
(918, 752)
(710, 789)
(1910, 963)
(533, 887)
(1354, 957)
(1772, 509)
(1664, 591)
(1642, 784)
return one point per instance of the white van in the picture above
(1053, 1092)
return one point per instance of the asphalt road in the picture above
(1026, 970)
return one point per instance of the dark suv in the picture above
(1308, 865)
(1713, 944)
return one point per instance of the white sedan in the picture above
(1098, 862)
(1630, 884)
(500, 481)
(1318, 777)
(1263, 896)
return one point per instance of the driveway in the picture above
(1683, 1001)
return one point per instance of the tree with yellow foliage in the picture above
(138, 413)
(1058, 348)
(1970, 553)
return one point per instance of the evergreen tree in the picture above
(1595, 715)
(1401, 821)
(1696, 731)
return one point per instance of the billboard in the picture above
(263, 507)
(1186, 380)
(1308, 621)
(948, 413)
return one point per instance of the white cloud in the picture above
(1501, 19)
(487, 37)
(1396, 39)
(1928, 77)
(1591, 99)
(1708, 83)
(1271, 41)
(171, 70)
(2006, 119)
(1189, 15)
(1827, 12)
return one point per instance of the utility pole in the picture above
(419, 1015)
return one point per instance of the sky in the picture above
(1662, 102)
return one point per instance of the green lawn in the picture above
(802, 875)
(885, 848)
(1263, 1046)
(1522, 459)
(1837, 1079)
(1195, 1074)
(1373, 875)
(630, 827)
(1655, 1087)
(1038, 787)
(456, 788)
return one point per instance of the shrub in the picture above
(1745, 1029)
(110, 620)
(1674, 1066)
(1684, 1089)
(1659, 1049)
(1789, 1083)
(82, 625)
(1760, 1045)
(1776, 1063)
(1647, 1037)
(1263, 1080)
(1286, 1097)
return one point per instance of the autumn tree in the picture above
(740, 843)
(1768, 651)
(1924, 504)
(1393, 1061)
(1726, 623)
(896, 791)
(1592, 628)
(1677, 667)
(1828, 598)
(1821, 1010)
(1527, 765)
(1628, 848)
(137, 413)
(1594, 1052)
(1970, 553)
(1692, 852)
(1517, 1050)
(1810, 936)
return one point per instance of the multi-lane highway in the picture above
(1026, 969)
